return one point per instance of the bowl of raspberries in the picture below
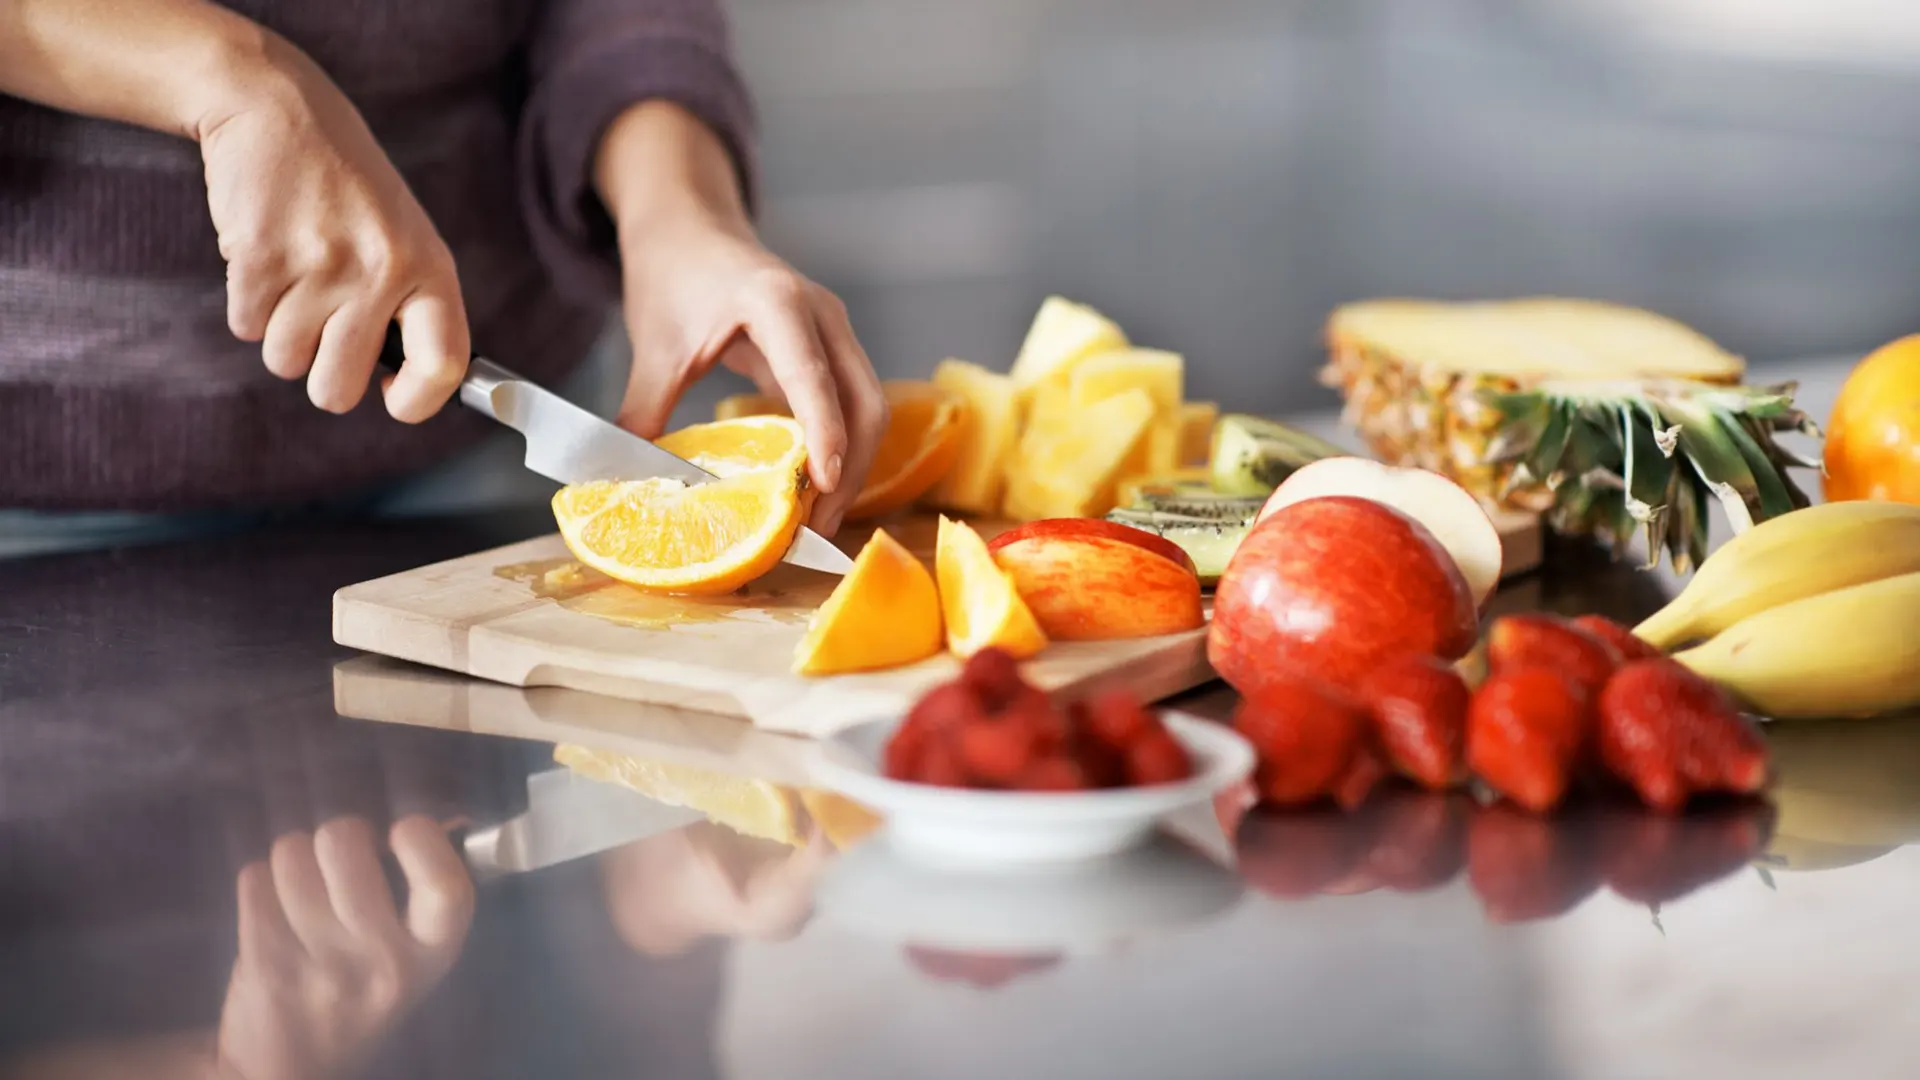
(989, 769)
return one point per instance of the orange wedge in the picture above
(744, 444)
(885, 613)
(922, 442)
(978, 599)
(663, 536)
(844, 821)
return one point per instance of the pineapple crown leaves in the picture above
(1622, 458)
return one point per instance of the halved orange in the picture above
(731, 447)
(885, 613)
(661, 535)
(921, 443)
(982, 608)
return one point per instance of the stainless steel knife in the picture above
(567, 443)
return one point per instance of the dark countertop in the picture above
(167, 716)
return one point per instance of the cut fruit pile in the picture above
(992, 730)
(1067, 580)
(662, 535)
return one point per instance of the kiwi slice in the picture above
(1210, 543)
(1252, 455)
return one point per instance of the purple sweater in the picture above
(120, 386)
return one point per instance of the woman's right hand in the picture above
(324, 243)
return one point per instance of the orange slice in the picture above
(744, 444)
(921, 443)
(663, 536)
(978, 599)
(885, 613)
(844, 821)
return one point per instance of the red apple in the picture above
(1455, 518)
(1090, 580)
(1332, 587)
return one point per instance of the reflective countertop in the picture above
(229, 848)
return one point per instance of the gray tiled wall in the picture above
(1218, 173)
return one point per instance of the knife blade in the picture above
(569, 817)
(567, 443)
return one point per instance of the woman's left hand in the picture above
(701, 293)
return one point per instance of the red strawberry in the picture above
(1420, 839)
(1419, 710)
(1052, 773)
(1525, 730)
(1116, 718)
(1628, 647)
(1669, 733)
(1306, 739)
(940, 766)
(1299, 853)
(1548, 641)
(1525, 867)
(980, 970)
(1363, 774)
(994, 674)
(1156, 757)
(995, 752)
(941, 711)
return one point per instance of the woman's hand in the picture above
(327, 963)
(325, 245)
(701, 290)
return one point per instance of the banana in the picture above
(1851, 652)
(1788, 558)
(1806, 856)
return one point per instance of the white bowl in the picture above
(967, 828)
(1075, 908)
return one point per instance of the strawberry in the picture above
(1299, 853)
(1525, 729)
(980, 970)
(940, 766)
(1306, 739)
(1230, 806)
(1549, 641)
(1420, 839)
(1525, 867)
(1052, 773)
(1628, 647)
(1668, 733)
(1116, 718)
(942, 710)
(1156, 757)
(995, 752)
(1419, 709)
(1655, 858)
(994, 674)
(1363, 774)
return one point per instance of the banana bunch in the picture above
(1846, 793)
(1814, 613)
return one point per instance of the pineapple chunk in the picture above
(1063, 333)
(739, 405)
(987, 436)
(1158, 372)
(1196, 431)
(1070, 467)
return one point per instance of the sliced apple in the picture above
(1454, 517)
(1092, 580)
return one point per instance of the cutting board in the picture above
(525, 615)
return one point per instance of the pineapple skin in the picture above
(1435, 420)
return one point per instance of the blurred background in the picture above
(1218, 174)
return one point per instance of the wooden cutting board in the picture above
(526, 615)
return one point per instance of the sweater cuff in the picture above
(568, 114)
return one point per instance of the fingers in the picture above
(433, 329)
(292, 332)
(344, 361)
(863, 406)
(357, 887)
(781, 323)
(651, 395)
(264, 932)
(303, 895)
(439, 889)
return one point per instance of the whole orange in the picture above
(1873, 440)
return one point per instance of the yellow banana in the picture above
(1850, 652)
(1788, 558)
(1792, 853)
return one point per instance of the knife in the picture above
(569, 817)
(567, 443)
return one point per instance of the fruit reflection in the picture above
(1522, 866)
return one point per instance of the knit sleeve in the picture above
(590, 60)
